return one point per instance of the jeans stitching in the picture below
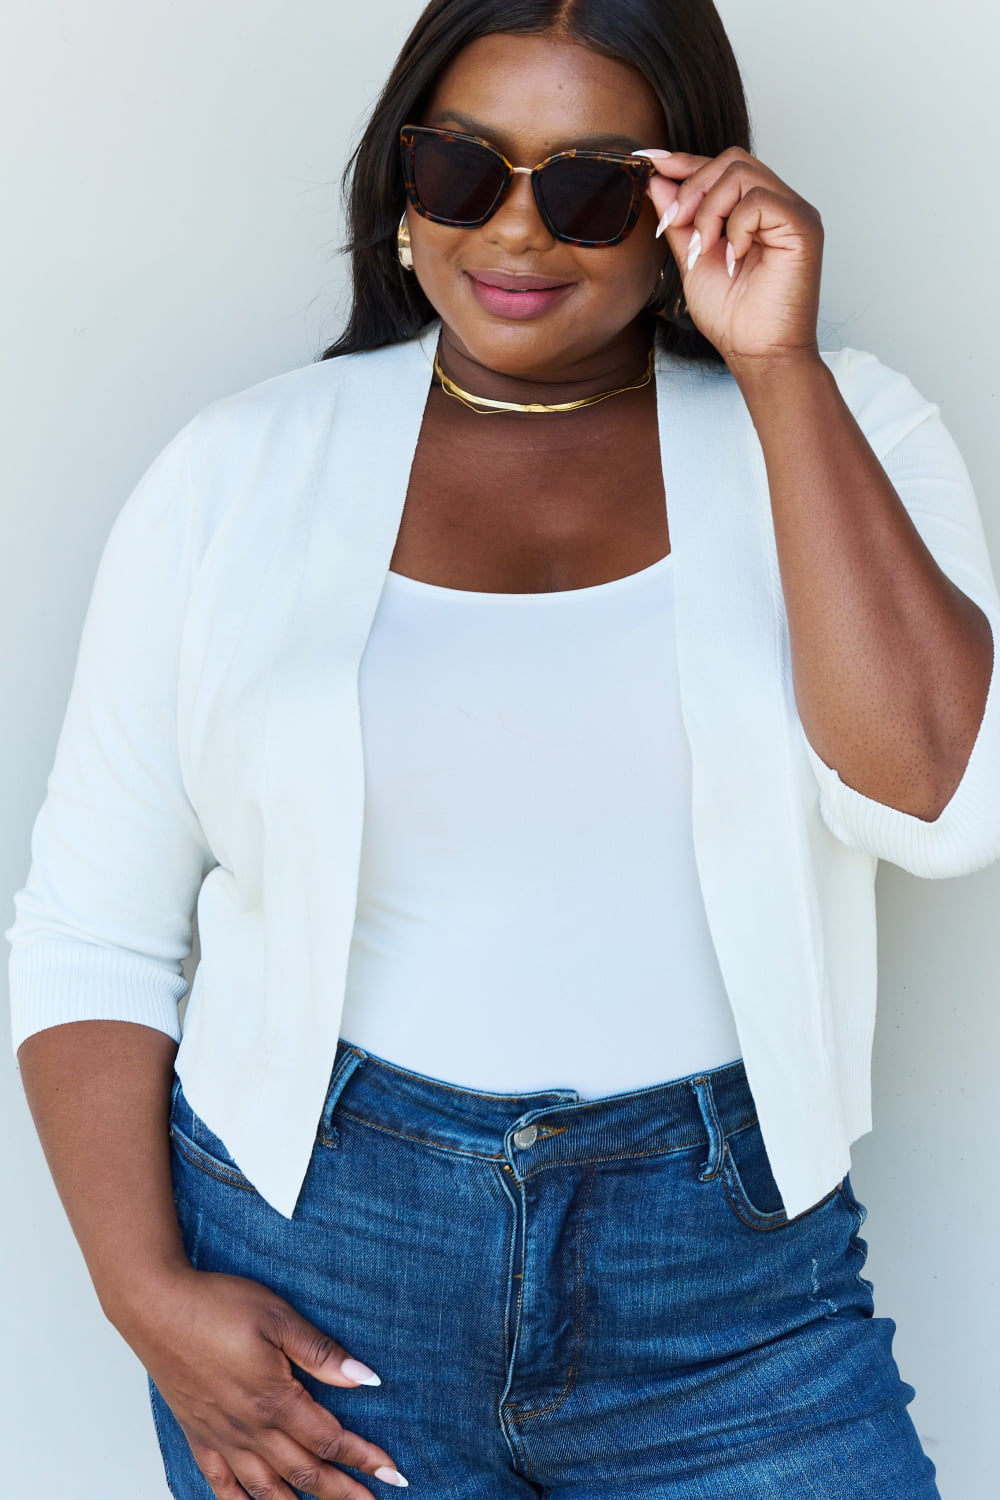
(714, 1132)
(585, 1161)
(580, 1300)
(857, 1244)
(498, 1155)
(193, 1153)
(420, 1140)
(519, 1208)
(342, 1074)
(780, 1218)
(168, 1473)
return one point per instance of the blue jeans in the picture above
(574, 1299)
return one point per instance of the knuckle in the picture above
(282, 1324)
(306, 1477)
(261, 1489)
(269, 1405)
(330, 1449)
(215, 1470)
(276, 1322)
(320, 1346)
(218, 1476)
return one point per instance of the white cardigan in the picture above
(212, 753)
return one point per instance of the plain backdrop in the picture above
(171, 213)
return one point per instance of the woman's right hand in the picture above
(220, 1350)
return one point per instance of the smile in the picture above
(520, 297)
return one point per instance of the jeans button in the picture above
(526, 1137)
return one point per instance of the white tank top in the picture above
(529, 914)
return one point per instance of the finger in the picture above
(305, 1470)
(257, 1479)
(318, 1432)
(663, 188)
(740, 184)
(736, 163)
(677, 165)
(218, 1475)
(771, 221)
(664, 196)
(314, 1351)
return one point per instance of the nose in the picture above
(517, 225)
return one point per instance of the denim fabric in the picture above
(574, 1299)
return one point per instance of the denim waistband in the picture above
(659, 1118)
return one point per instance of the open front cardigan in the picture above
(211, 754)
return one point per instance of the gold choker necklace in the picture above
(486, 408)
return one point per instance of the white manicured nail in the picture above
(694, 250)
(391, 1476)
(655, 152)
(355, 1370)
(668, 218)
(730, 259)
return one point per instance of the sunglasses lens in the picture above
(586, 200)
(456, 180)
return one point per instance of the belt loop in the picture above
(716, 1139)
(342, 1071)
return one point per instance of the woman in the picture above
(533, 867)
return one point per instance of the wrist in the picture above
(776, 369)
(130, 1295)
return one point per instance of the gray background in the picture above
(172, 217)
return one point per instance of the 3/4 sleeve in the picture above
(117, 854)
(929, 474)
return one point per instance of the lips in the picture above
(516, 297)
(509, 282)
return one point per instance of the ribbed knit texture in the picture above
(54, 980)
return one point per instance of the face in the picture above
(531, 96)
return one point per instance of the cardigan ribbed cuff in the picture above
(59, 979)
(966, 835)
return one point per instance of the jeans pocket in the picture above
(749, 1183)
(201, 1147)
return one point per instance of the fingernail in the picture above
(694, 249)
(391, 1476)
(730, 259)
(652, 151)
(668, 218)
(355, 1370)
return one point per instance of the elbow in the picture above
(952, 739)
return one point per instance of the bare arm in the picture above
(99, 1092)
(891, 662)
(219, 1348)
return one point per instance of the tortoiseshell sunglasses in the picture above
(587, 198)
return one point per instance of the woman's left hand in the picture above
(749, 250)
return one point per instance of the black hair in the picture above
(679, 46)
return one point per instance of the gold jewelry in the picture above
(403, 244)
(486, 408)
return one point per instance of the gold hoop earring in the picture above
(655, 296)
(403, 244)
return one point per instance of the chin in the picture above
(520, 350)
